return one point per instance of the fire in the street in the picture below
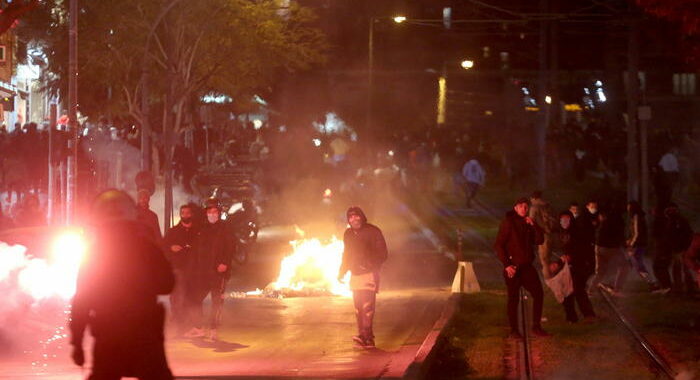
(43, 278)
(313, 267)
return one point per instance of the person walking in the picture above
(117, 293)
(637, 242)
(609, 256)
(517, 236)
(210, 271)
(365, 252)
(475, 177)
(675, 239)
(180, 242)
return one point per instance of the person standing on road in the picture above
(517, 236)
(365, 252)
(179, 243)
(146, 216)
(475, 177)
(117, 291)
(541, 213)
(210, 271)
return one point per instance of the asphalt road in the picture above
(304, 337)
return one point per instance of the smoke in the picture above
(117, 162)
(35, 301)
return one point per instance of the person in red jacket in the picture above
(517, 237)
(365, 252)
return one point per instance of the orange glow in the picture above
(313, 265)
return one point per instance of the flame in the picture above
(313, 265)
(42, 278)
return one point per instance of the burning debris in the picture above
(310, 270)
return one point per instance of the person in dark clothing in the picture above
(210, 271)
(575, 253)
(609, 256)
(365, 252)
(637, 242)
(675, 240)
(517, 236)
(119, 281)
(179, 243)
(147, 217)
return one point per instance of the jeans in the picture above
(365, 303)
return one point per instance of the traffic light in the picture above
(8, 103)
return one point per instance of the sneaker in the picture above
(515, 334)
(369, 343)
(360, 341)
(537, 331)
(607, 288)
(194, 333)
(661, 291)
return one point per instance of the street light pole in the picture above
(72, 186)
(370, 72)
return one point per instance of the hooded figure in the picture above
(365, 252)
(119, 281)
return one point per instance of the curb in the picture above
(425, 354)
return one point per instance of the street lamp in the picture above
(467, 64)
(370, 64)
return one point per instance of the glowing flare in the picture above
(44, 278)
(313, 265)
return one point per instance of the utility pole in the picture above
(72, 178)
(370, 73)
(542, 115)
(632, 109)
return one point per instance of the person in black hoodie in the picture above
(575, 253)
(517, 236)
(609, 255)
(117, 291)
(180, 241)
(210, 270)
(365, 252)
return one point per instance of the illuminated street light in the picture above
(399, 19)
(467, 64)
(548, 99)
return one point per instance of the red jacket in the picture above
(515, 240)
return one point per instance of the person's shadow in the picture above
(218, 345)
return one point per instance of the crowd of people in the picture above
(582, 249)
